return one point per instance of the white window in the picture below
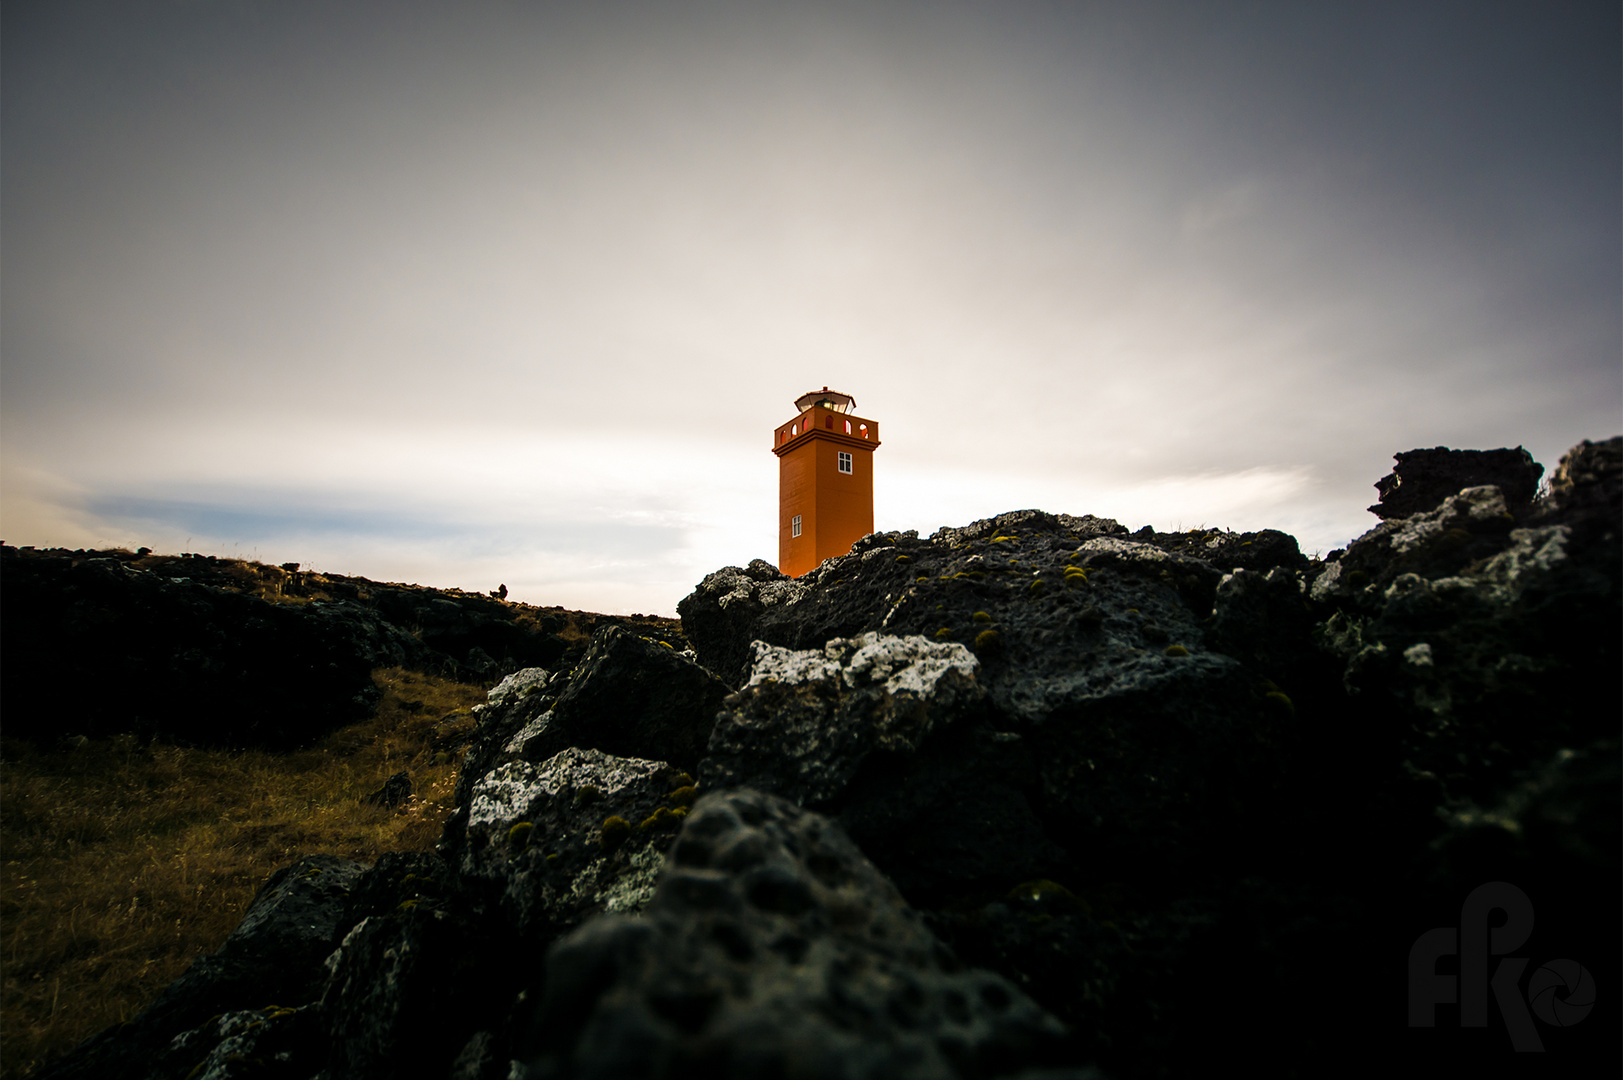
(845, 461)
(794, 525)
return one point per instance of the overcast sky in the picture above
(479, 293)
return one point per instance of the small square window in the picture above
(794, 525)
(845, 462)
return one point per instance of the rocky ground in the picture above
(1033, 798)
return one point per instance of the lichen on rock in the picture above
(806, 719)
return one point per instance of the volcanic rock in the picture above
(1424, 478)
(773, 948)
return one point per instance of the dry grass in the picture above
(123, 863)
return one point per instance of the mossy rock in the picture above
(663, 818)
(1177, 650)
(988, 641)
(683, 796)
(518, 837)
(981, 616)
(1044, 893)
(616, 830)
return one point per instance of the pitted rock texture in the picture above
(535, 837)
(1467, 526)
(518, 684)
(627, 692)
(1039, 598)
(773, 948)
(632, 695)
(806, 720)
(1424, 478)
(733, 598)
(1195, 790)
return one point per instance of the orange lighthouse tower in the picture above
(825, 480)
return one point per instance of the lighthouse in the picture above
(825, 480)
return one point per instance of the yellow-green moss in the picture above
(904, 558)
(1280, 699)
(944, 633)
(683, 796)
(683, 780)
(587, 794)
(1042, 889)
(988, 641)
(1036, 587)
(659, 819)
(1177, 650)
(981, 616)
(615, 831)
(519, 835)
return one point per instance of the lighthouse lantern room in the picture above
(825, 480)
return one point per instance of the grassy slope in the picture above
(123, 863)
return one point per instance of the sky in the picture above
(515, 293)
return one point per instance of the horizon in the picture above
(518, 294)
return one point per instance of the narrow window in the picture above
(845, 462)
(794, 525)
(848, 427)
(828, 422)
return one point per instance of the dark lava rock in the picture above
(271, 961)
(395, 790)
(773, 948)
(543, 846)
(633, 695)
(627, 692)
(1585, 487)
(1049, 796)
(806, 720)
(1424, 478)
(725, 609)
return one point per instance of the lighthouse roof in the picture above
(828, 399)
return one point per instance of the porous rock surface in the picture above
(773, 948)
(1423, 478)
(1045, 799)
(806, 719)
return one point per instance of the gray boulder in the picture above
(555, 842)
(806, 720)
(773, 948)
(1424, 478)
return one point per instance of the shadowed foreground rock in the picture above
(1036, 798)
(773, 948)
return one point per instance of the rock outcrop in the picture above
(1035, 798)
(1423, 478)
